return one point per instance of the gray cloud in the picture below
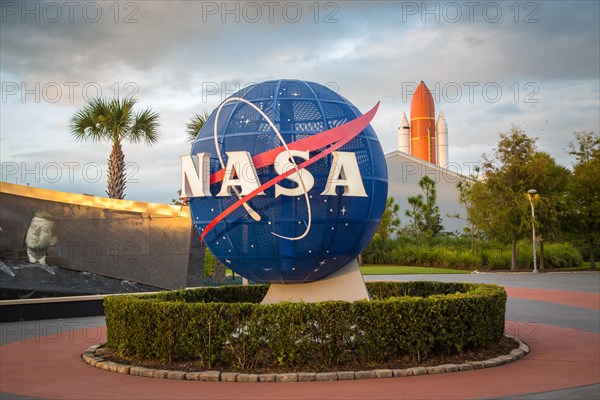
(180, 58)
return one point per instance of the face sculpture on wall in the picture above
(286, 181)
(40, 241)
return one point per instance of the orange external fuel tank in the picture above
(422, 125)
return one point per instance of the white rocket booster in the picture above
(441, 130)
(404, 135)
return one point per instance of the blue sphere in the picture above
(341, 226)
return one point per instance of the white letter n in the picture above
(195, 175)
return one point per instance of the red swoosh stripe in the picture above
(337, 137)
(310, 143)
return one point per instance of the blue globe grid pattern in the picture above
(341, 226)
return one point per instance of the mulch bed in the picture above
(504, 347)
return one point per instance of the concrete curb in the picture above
(91, 358)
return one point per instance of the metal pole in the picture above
(535, 270)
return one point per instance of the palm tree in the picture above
(115, 121)
(196, 123)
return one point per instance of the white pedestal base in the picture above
(345, 284)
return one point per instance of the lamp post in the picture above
(530, 194)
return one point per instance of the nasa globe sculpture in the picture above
(286, 182)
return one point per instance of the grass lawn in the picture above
(400, 270)
(410, 270)
(405, 270)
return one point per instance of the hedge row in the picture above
(399, 252)
(227, 328)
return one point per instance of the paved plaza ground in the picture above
(556, 314)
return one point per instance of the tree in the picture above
(178, 201)
(584, 190)
(500, 208)
(431, 212)
(415, 214)
(425, 214)
(115, 121)
(550, 202)
(588, 147)
(464, 187)
(389, 221)
(195, 125)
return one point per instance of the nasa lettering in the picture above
(240, 171)
(286, 181)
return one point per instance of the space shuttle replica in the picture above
(424, 138)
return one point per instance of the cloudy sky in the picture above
(488, 64)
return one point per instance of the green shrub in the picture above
(562, 255)
(227, 327)
(379, 252)
(455, 252)
(403, 255)
(498, 259)
(557, 255)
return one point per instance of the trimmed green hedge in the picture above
(227, 328)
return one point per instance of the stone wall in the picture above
(148, 243)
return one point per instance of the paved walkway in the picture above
(558, 315)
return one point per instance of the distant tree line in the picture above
(567, 202)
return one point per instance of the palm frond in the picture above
(88, 123)
(196, 123)
(145, 128)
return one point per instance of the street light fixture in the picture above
(531, 194)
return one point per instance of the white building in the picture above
(405, 172)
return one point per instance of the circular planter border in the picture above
(171, 325)
(91, 358)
